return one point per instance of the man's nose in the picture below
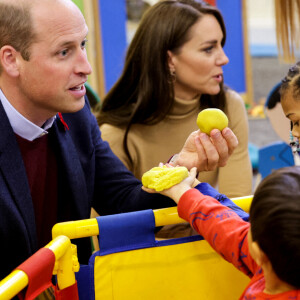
(82, 64)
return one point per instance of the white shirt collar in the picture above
(22, 126)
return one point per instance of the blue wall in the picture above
(113, 29)
(234, 72)
(113, 25)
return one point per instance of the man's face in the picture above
(53, 79)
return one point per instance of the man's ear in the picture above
(171, 59)
(9, 57)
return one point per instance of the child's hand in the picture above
(176, 191)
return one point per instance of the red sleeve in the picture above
(223, 229)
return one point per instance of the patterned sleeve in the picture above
(223, 229)
(207, 189)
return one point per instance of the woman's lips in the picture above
(218, 78)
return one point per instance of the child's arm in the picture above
(207, 189)
(225, 231)
(220, 226)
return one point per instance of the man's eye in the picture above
(64, 52)
(83, 43)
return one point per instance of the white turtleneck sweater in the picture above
(150, 145)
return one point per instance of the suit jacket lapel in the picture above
(13, 170)
(73, 186)
(14, 173)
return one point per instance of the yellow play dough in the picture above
(211, 118)
(162, 178)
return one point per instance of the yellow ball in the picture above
(211, 118)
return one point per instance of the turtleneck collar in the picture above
(182, 108)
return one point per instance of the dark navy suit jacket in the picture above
(89, 175)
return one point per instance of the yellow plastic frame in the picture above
(164, 216)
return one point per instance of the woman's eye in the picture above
(208, 49)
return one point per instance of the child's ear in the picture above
(258, 255)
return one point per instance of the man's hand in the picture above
(206, 153)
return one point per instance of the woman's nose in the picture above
(222, 59)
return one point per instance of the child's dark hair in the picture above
(292, 80)
(275, 222)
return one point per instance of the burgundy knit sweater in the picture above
(41, 169)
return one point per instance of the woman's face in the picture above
(198, 63)
(291, 109)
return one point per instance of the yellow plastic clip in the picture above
(66, 261)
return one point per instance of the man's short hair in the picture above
(16, 27)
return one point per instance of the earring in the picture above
(172, 76)
(294, 144)
(295, 149)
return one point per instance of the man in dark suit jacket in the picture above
(54, 166)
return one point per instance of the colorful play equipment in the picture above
(59, 257)
(130, 264)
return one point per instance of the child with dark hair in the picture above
(268, 248)
(290, 102)
(275, 115)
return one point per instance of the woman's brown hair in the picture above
(144, 93)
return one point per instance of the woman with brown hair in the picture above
(173, 70)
